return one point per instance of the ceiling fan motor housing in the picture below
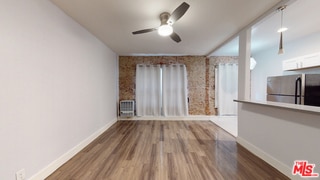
(164, 18)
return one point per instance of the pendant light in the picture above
(281, 30)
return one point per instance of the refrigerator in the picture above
(296, 89)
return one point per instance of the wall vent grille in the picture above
(127, 108)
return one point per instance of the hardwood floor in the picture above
(160, 150)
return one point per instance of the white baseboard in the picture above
(45, 172)
(168, 118)
(267, 158)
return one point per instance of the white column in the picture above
(244, 64)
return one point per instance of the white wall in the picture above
(269, 63)
(57, 85)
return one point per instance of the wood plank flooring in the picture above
(163, 150)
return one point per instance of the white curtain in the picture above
(174, 90)
(148, 90)
(226, 88)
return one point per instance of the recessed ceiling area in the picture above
(300, 17)
(203, 28)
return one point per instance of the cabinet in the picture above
(307, 61)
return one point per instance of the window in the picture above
(161, 90)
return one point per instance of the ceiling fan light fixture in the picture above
(165, 30)
(166, 22)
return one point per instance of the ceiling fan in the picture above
(167, 20)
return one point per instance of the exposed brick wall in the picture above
(200, 70)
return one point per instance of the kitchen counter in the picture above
(279, 133)
(305, 108)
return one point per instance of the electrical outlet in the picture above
(21, 175)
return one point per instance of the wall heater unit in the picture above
(127, 108)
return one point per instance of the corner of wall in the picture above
(47, 171)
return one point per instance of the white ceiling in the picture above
(205, 26)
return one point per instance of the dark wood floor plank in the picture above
(165, 150)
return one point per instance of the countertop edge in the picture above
(305, 108)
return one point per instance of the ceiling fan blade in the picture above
(144, 31)
(178, 12)
(174, 36)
